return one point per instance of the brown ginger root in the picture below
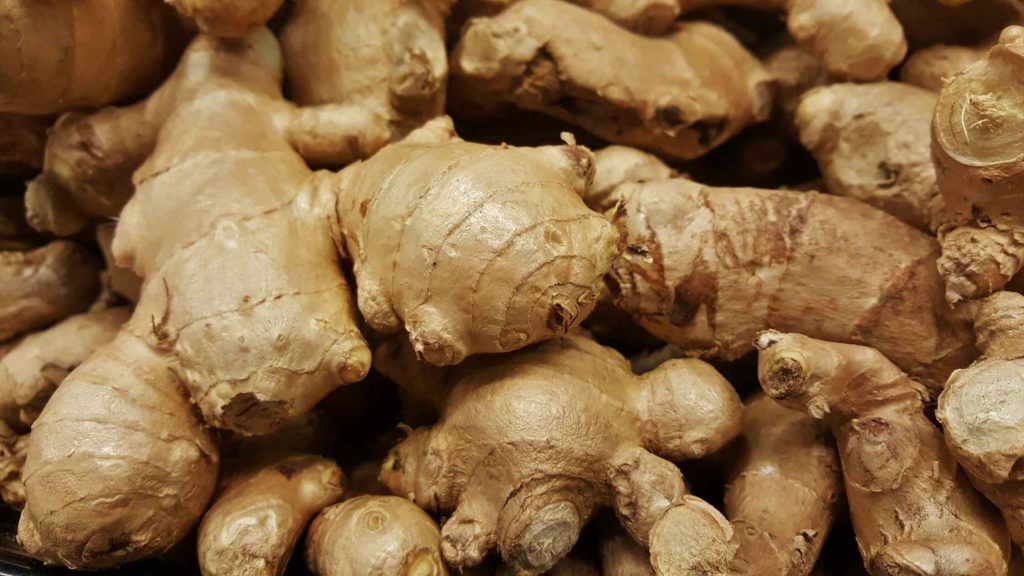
(708, 268)
(872, 143)
(931, 67)
(982, 409)
(228, 18)
(521, 464)
(913, 510)
(795, 71)
(615, 165)
(783, 491)
(665, 94)
(121, 281)
(473, 248)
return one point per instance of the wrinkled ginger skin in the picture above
(615, 165)
(708, 268)
(380, 535)
(44, 285)
(59, 56)
(521, 465)
(473, 248)
(782, 492)
(666, 94)
(931, 67)
(227, 18)
(872, 142)
(263, 509)
(982, 409)
(913, 510)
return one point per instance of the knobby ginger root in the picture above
(473, 248)
(615, 165)
(665, 94)
(708, 268)
(913, 510)
(228, 18)
(872, 142)
(530, 444)
(783, 491)
(118, 280)
(43, 285)
(61, 56)
(982, 409)
(795, 71)
(931, 67)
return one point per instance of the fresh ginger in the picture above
(615, 165)
(982, 409)
(667, 94)
(783, 491)
(708, 268)
(530, 444)
(228, 18)
(931, 67)
(120, 281)
(913, 509)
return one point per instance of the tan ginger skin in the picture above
(783, 491)
(931, 67)
(872, 143)
(473, 248)
(60, 56)
(708, 268)
(227, 18)
(982, 409)
(978, 159)
(521, 465)
(44, 285)
(913, 510)
(615, 165)
(664, 94)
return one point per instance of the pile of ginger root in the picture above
(512, 287)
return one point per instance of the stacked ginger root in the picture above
(243, 209)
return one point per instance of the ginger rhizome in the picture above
(708, 268)
(982, 409)
(615, 165)
(529, 445)
(783, 491)
(228, 18)
(473, 248)
(976, 144)
(931, 67)
(913, 510)
(665, 94)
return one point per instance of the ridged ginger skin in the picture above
(783, 491)
(708, 268)
(530, 444)
(982, 409)
(666, 94)
(380, 535)
(60, 56)
(913, 510)
(473, 248)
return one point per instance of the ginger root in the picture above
(665, 94)
(914, 511)
(228, 18)
(530, 444)
(931, 67)
(615, 165)
(13, 449)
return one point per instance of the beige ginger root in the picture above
(982, 409)
(783, 491)
(473, 248)
(228, 18)
(913, 510)
(931, 67)
(872, 142)
(708, 268)
(520, 463)
(615, 165)
(665, 94)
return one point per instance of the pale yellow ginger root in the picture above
(35, 367)
(22, 141)
(228, 18)
(931, 67)
(520, 464)
(60, 56)
(666, 94)
(380, 535)
(43, 285)
(783, 491)
(13, 449)
(913, 510)
(615, 165)
(873, 143)
(708, 268)
(982, 409)
(473, 248)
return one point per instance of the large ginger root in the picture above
(783, 491)
(708, 268)
(976, 144)
(982, 409)
(40, 286)
(931, 67)
(530, 444)
(913, 510)
(665, 94)
(473, 248)
(615, 165)
(872, 142)
(60, 56)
